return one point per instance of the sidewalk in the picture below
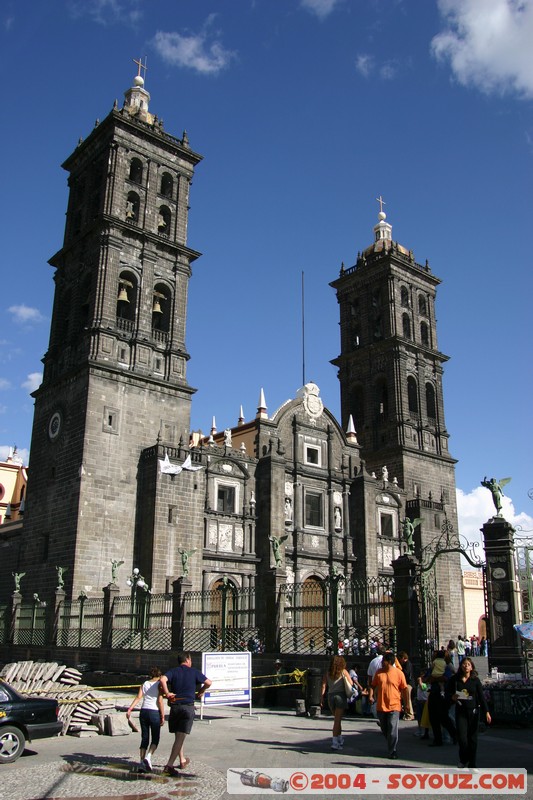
(103, 767)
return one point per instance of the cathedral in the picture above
(289, 497)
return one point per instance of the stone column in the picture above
(406, 610)
(53, 617)
(179, 588)
(110, 592)
(503, 601)
(13, 621)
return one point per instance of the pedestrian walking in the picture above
(179, 686)
(407, 668)
(333, 685)
(438, 705)
(391, 687)
(151, 717)
(465, 690)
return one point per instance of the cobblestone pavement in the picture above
(105, 767)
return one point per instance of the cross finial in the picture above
(381, 202)
(141, 65)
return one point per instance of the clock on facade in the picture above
(54, 425)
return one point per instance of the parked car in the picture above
(23, 719)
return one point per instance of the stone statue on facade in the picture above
(185, 555)
(288, 509)
(114, 569)
(338, 518)
(496, 489)
(277, 541)
(227, 437)
(408, 533)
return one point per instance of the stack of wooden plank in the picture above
(79, 706)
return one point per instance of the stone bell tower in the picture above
(390, 371)
(115, 370)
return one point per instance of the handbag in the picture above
(349, 688)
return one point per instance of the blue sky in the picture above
(305, 112)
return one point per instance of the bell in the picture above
(156, 308)
(123, 294)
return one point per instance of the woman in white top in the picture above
(151, 717)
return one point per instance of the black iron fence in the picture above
(316, 616)
(337, 613)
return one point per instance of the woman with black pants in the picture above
(466, 692)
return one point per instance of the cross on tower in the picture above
(381, 202)
(141, 65)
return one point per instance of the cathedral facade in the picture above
(288, 497)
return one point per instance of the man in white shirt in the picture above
(373, 667)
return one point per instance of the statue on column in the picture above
(18, 577)
(114, 569)
(496, 489)
(60, 576)
(185, 555)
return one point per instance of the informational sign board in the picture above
(231, 676)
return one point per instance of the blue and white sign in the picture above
(231, 676)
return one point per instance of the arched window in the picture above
(431, 407)
(376, 298)
(167, 184)
(378, 328)
(406, 326)
(163, 220)
(422, 307)
(412, 395)
(404, 297)
(424, 333)
(126, 298)
(132, 207)
(136, 170)
(355, 337)
(161, 308)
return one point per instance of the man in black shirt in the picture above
(407, 667)
(179, 686)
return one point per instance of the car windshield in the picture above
(8, 694)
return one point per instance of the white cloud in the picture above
(319, 7)
(4, 384)
(388, 71)
(488, 44)
(107, 11)
(33, 381)
(202, 52)
(25, 315)
(364, 64)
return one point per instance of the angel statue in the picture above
(185, 555)
(18, 577)
(114, 569)
(60, 576)
(408, 532)
(277, 541)
(496, 489)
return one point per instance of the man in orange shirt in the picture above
(390, 683)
